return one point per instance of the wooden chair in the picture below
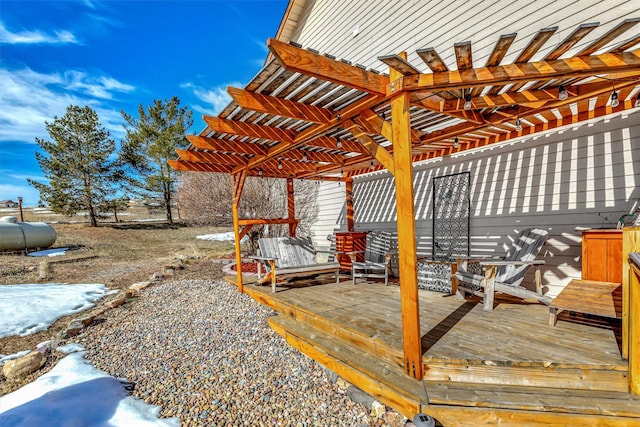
(377, 258)
(507, 274)
(287, 258)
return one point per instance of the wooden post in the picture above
(407, 260)
(238, 185)
(349, 203)
(291, 208)
(634, 329)
(21, 212)
(630, 243)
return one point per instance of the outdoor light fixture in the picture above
(467, 101)
(279, 164)
(614, 99)
(371, 165)
(338, 143)
(518, 125)
(260, 172)
(456, 143)
(562, 93)
(304, 157)
(637, 104)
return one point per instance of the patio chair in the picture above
(287, 258)
(377, 258)
(507, 274)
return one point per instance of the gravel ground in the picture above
(204, 353)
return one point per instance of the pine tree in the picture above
(152, 140)
(77, 164)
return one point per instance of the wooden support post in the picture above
(349, 203)
(291, 206)
(634, 329)
(407, 259)
(630, 243)
(238, 185)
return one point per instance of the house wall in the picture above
(386, 27)
(569, 179)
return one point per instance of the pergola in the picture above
(312, 116)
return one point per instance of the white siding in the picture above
(579, 176)
(389, 26)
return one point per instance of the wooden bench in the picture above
(588, 297)
(289, 258)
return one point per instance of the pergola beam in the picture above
(376, 150)
(251, 130)
(280, 107)
(514, 73)
(311, 64)
(217, 144)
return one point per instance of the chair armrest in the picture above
(351, 252)
(498, 263)
(262, 258)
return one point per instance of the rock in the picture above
(87, 320)
(155, 277)
(116, 302)
(378, 410)
(23, 366)
(360, 396)
(342, 384)
(395, 419)
(138, 286)
(73, 329)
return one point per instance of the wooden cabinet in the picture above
(602, 255)
(349, 241)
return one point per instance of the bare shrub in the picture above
(205, 199)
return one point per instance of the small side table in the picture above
(589, 297)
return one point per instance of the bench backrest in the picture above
(290, 251)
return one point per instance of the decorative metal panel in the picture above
(451, 211)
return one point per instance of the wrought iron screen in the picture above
(451, 210)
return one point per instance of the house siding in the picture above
(577, 177)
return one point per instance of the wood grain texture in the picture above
(319, 66)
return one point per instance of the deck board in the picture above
(514, 333)
(499, 365)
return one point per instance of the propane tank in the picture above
(16, 235)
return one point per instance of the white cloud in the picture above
(36, 37)
(217, 97)
(29, 98)
(29, 194)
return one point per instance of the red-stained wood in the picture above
(291, 208)
(280, 107)
(325, 68)
(238, 185)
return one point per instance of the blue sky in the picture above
(116, 55)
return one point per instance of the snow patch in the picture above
(32, 308)
(74, 393)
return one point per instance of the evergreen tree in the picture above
(151, 140)
(77, 163)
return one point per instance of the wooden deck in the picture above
(505, 367)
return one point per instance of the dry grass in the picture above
(116, 255)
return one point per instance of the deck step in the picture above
(497, 372)
(534, 399)
(372, 345)
(385, 382)
(456, 403)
